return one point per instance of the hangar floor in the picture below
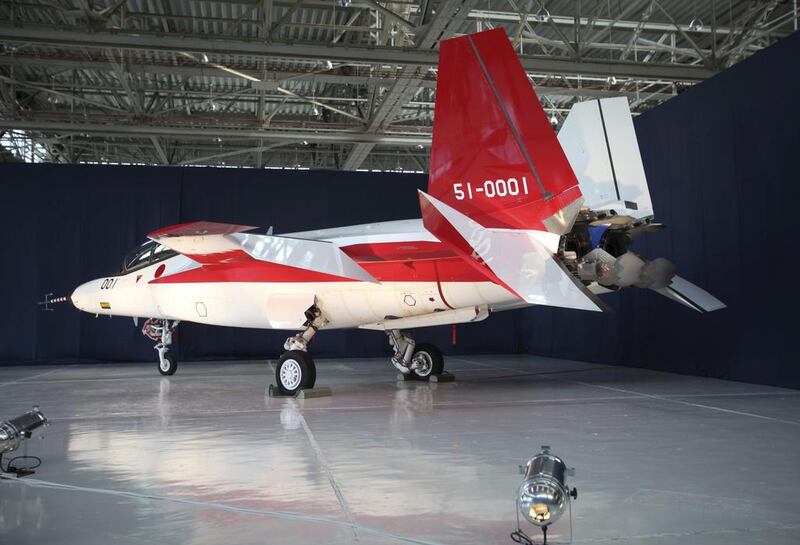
(205, 458)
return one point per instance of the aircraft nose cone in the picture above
(80, 297)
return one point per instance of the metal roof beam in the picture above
(146, 131)
(353, 54)
(568, 20)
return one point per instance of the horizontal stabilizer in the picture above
(211, 244)
(600, 142)
(522, 260)
(694, 297)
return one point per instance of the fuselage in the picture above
(417, 275)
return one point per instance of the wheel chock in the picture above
(303, 393)
(411, 377)
(308, 393)
(444, 377)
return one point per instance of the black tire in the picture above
(294, 371)
(311, 379)
(432, 358)
(170, 364)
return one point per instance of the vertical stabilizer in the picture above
(599, 140)
(501, 191)
(495, 157)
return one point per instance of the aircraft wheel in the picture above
(295, 370)
(311, 379)
(168, 364)
(429, 361)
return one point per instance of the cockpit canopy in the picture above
(148, 253)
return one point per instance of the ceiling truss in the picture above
(343, 84)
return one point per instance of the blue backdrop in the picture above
(721, 162)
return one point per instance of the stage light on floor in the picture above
(14, 432)
(543, 494)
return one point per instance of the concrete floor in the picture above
(205, 458)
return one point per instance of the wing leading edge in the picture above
(215, 244)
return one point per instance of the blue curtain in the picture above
(722, 165)
(721, 160)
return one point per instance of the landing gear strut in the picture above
(161, 332)
(296, 369)
(419, 360)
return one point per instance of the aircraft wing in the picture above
(214, 244)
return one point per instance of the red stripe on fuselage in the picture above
(397, 251)
(422, 261)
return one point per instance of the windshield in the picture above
(148, 253)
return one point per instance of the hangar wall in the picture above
(721, 170)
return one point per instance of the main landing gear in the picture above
(421, 361)
(296, 369)
(161, 332)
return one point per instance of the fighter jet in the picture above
(514, 215)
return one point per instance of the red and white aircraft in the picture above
(514, 215)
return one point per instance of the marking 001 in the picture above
(109, 283)
(491, 188)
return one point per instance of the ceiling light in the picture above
(315, 110)
(305, 142)
(204, 58)
(696, 24)
(542, 16)
(612, 80)
(553, 119)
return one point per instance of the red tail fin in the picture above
(495, 157)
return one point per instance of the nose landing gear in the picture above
(161, 331)
(296, 369)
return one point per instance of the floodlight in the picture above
(13, 432)
(543, 495)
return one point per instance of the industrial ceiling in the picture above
(342, 84)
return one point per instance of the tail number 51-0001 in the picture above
(491, 188)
